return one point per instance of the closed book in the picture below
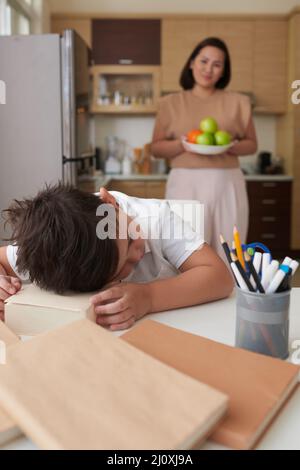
(257, 385)
(8, 429)
(33, 310)
(80, 387)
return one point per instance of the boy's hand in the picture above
(119, 306)
(8, 286)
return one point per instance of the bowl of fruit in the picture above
(208, 139)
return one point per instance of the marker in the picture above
(242, 273)
(277, 279)
(294, 266)
(286, 283)
(287, 261)
(238, 246)
(254, 274)
(257, 261)
(270, 273)
(266, 259)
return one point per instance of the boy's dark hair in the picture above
(57, 243)
(187, 81)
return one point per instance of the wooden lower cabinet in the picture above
(270, 214)
(143, 189)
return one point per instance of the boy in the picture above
(60, 242)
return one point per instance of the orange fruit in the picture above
(192, 135)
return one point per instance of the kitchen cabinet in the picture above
(270, 65)
(126, 41)
(239, 37)
(125, 89)
(82, 26)
(143, 189)
(270, 214)
(258, 50)
(179, 37)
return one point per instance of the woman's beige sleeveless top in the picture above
(181, 112)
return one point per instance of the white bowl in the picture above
(205, 149)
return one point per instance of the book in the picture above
(33, 311)
(80, 387)
(8, 429)
(257, 385)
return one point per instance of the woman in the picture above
(216, 181)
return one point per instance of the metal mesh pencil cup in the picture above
(262, 322)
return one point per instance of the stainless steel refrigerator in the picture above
(44, 123)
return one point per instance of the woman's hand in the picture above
(119, 306)
(8, 286)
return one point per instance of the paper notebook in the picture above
(80, 387)
(8, 429)
(33, 311)
(257, 385)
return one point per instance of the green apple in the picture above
(205, 139)
(222, 138)
(208, 124)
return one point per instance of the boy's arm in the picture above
(203, 278)
(5, 267)
(9, 283)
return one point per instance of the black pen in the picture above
(242, 272)
(253, 272)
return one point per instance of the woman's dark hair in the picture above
(57, 243)
(186, 78)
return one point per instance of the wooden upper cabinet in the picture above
(270, 65)
(239, 37)
(81, 26)
(179, 37)
(126, 41)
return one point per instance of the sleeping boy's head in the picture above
(57, 242)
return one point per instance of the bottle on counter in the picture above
(127, 161)
(112, 165)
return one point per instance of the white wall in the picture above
(173, 6)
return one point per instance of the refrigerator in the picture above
(44, 114)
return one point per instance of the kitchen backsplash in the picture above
(137, 130)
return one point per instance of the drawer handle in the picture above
(268, 236)
(125, 61)
(269, 185)
(269, 219)
(269, 201)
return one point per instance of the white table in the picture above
(217, 322)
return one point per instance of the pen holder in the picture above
(262, 322)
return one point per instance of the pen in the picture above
(240, 280)
(242, 273)
(226, 249)
(238, 246)
(254, 273)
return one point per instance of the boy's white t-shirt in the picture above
(169, 239)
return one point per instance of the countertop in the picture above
(104, 180)
(216, 321)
